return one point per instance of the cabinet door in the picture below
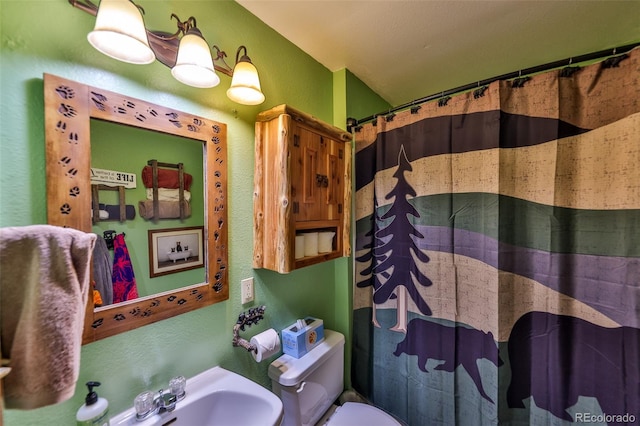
(306, 190)
(333, 156)
(317, 167)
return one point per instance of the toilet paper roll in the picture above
(325, 242)
(311, 244)
(299, 250)
(267, 344)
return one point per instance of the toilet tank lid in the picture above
(289, 371)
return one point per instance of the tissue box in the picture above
(297, 342)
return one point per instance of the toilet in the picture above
(308, 387)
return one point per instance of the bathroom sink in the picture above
(215, 397)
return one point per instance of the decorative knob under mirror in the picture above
(71, 109)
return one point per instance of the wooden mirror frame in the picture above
(69, 107)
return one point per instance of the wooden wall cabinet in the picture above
(302, 183)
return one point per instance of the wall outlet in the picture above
(246, 291)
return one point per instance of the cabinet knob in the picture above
(322, 180)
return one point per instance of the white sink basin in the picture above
(216, 397)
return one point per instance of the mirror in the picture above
(127, 149)
(70, 108)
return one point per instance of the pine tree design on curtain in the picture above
(399, 267)
(371, 256)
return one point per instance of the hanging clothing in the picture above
(124, 281)
(97, 298)
(102, 271)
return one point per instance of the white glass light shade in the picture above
(194, 66)
(120, 33)
(245, 85)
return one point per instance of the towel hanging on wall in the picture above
(45, 285)
(124, 280)
(166, 178)
(102, 270)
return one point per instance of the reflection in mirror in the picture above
(74, 115)
(126, 149)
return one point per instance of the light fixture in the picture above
(245, 84)
(120, 33)
(194, 65)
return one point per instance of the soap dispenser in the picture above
(94, 410)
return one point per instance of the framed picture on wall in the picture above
(175, 250)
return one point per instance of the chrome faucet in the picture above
(166, 401)
(149, 403)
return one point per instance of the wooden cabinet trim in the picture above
(284, 190)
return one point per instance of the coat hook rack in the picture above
(108, 238)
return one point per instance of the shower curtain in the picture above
(497, 262)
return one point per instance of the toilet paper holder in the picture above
(248, 318)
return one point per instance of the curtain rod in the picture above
(352, 122)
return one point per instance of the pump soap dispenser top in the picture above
(94, 410)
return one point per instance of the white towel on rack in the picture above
(168, 194)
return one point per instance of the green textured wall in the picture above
(50, 37)
(360, 100)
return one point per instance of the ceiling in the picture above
(406, 50)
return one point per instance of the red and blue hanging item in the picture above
(124, 280)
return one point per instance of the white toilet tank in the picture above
(309, 385)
